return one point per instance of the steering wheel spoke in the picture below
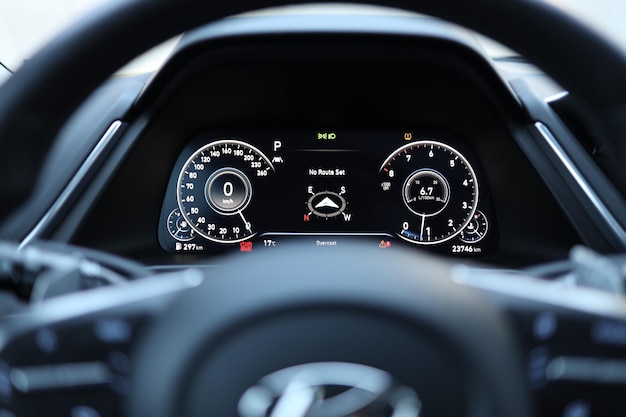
(573, 338)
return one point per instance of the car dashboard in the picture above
(321, 133)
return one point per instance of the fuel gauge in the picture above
(476, 229)
(179, 227)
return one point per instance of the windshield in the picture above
(606, 16)
(26, 25)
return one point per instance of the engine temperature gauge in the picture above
(476, 229)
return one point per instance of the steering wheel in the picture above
(387, 339)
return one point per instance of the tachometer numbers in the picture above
(437, 186)
(215, 187)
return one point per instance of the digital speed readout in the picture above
(270, 186)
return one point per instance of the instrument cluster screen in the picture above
(248, 190)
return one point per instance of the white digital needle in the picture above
(245, 222)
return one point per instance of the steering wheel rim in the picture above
(34, 104)
(35, 92)
(398, 312)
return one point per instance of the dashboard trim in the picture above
(72, 186)
(556, 97)
(326, 234)
(575, 173)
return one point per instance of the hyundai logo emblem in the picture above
(329, 389)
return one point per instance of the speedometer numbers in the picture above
(438, 189)
(216, 186)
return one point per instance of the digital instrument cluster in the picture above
(245, 190)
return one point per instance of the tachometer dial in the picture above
(437, 187)
(215, 187)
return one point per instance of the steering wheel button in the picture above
(63, 376)
(6, 389)
(591, 370)
(113, 330)
(609, 333)
(537, 364)
(545, 325)
(47, 340)
(577, 409)
(120, 362)
(82, 411)
(120, 385)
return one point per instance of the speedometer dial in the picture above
(437, 187)
(215, 187)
